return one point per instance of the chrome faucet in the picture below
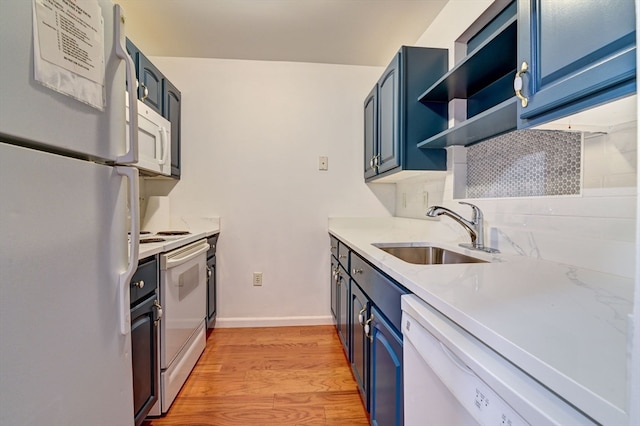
(475, 227)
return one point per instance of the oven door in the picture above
(183, 293)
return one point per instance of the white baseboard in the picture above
(273, 321)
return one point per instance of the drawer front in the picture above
(334, 246)
(213, 241)
(343, 255)
(146, 273)
(383, 292)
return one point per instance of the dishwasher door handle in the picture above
(456, 360)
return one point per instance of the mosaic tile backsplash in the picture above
(525, 163)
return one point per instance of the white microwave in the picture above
(154, 141)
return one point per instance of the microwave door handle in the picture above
(163, 142)
(131, 173)
(131, 156)
(167, 145)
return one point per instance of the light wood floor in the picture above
(269, 376)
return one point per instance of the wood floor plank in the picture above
(269, 376)
(341, 407)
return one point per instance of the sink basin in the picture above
(427, 255)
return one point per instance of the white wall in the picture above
(252, 133)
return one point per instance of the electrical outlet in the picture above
(257, 278)
(323, 163)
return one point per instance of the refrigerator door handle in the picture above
(131, 173)
(131, 156)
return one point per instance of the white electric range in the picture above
(182, 295)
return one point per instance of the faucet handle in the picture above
(477, 213)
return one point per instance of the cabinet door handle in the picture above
(158, 308)
(361, 315)
(145, 92)
(517, 84)
(374, 162)
(139, 284)
(367, 328)
(208, 272)
(355, 271)
(342, 256)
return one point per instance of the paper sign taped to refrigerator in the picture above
(68, 38)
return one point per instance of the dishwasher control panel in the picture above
(492, 410)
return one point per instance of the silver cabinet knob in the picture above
(355, 271)
(138, 284)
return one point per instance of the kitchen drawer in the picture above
(343, 255)
(146, 273)
(334, 246)
(383, 291)
(213, 241)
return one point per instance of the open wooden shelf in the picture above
(492, 122)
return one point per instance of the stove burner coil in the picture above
(151, 240)
(172, 232)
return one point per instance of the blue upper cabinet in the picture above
(579, 54)
(388, 156)
(150, 84)
(370, 133)
(394, 120)
(171, 111)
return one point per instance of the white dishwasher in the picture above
(451, 378)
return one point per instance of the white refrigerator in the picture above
(68, 196)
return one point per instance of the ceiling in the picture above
(352, 32)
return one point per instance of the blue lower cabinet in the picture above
(360, 307)
(334, 288)
(343, 321)
(386, 401)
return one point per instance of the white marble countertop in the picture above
(564, 326)
(198, 231)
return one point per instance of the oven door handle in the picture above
(172, 262)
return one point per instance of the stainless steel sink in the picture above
(427, 255)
